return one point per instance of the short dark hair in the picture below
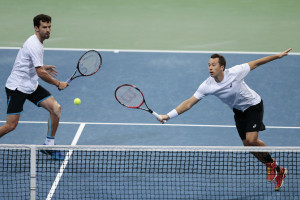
(222, 60)
(40, 17)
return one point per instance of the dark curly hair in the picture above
(40, 17)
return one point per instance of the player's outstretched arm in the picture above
(184, 106)
(254, 64)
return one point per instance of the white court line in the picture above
(157, 124)
(65, 163)
(156, 51)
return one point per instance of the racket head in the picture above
(89, 63)
(129, 96)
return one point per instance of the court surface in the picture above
(166, 78)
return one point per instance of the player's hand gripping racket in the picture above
(132, 97)
(88, 64)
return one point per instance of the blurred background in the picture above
(197, 25)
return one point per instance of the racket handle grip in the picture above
(157, 116)
(68, 81)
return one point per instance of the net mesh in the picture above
(118, 172)
(89, 63)
(14, 173)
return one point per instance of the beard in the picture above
(45, 36)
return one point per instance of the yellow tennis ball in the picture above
(77, 101)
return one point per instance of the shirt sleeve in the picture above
(36, 55)
(200, 93)
(240, 71)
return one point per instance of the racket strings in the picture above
(129, 96)
(89, 63)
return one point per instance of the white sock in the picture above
(49, 141)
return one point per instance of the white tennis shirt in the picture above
(23, 75)
(232, 90)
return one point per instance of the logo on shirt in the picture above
(254, 125)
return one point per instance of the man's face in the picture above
(214, 67)
(44, 30)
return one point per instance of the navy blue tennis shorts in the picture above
(251, 120)
(16, 99)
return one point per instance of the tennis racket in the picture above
(88, 64)
(132, 97)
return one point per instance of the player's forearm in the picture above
(183, 107)
(43, 74)
(261, 61)
(256, 63)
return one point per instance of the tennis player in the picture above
(229, 86)
(23, 83)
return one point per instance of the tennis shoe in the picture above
(280, 177)
(47, 152)
(271, 170)
(58, 155)
(55, 154)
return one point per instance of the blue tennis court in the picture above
(166, 79)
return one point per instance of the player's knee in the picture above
(251, 142)
(57, 109)
(11, 126)
(252, 139)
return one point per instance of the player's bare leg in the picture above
(54, 109)
(272, 167)
(252, 140)
(10, 125)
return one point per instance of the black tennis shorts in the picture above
(250, 120)
(16, 99)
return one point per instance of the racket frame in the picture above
(139, 106)
(78, 70)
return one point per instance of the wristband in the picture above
(173, 113)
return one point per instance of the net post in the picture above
(32, 172)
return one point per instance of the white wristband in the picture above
(173, 113)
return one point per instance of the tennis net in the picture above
(144, 172)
